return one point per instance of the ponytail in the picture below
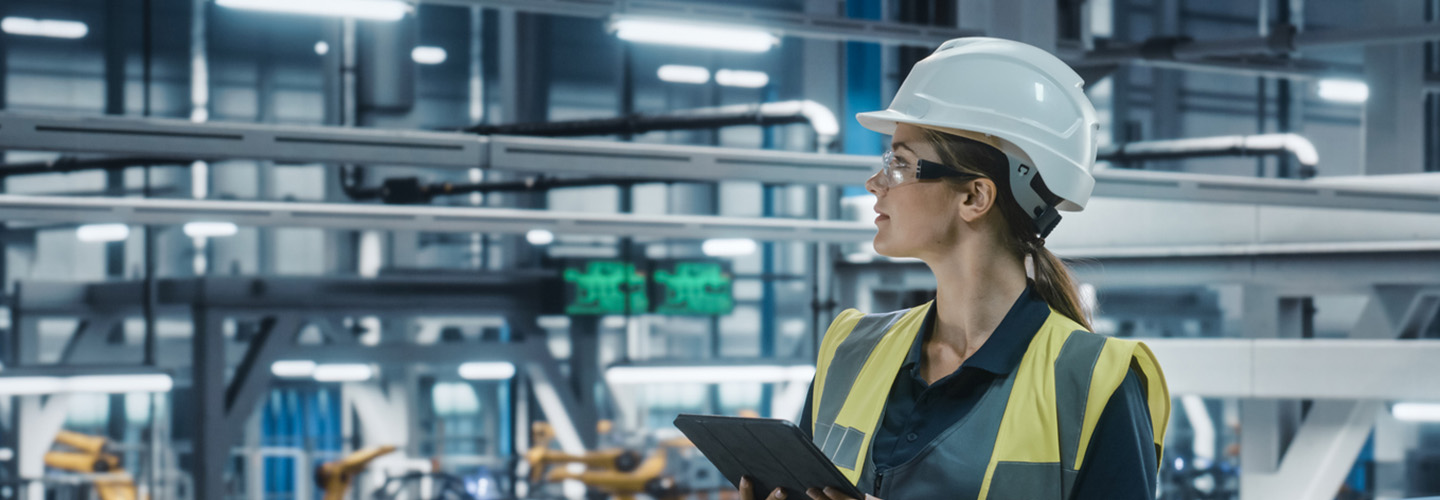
(1053, 279)
(1056, 284)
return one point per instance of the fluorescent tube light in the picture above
(378, 10)
(679, 73)
(704, 36)
(540, 237)
(492, 370)
(293, 368)
(322, 48)
(343, 372)
(742, 78)
(210, 229)
(714, 374)
(1416, 412)
(728, 247)
(108, 384)
(1348, 91)
(428, 55)
(16, 386)
(52, 28)
(97, 233)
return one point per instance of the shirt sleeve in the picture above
(1120, 463)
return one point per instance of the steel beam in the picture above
(433, 354)
(531, 155)
(788, 23)
(420, 218)
(1300, 368)
(1320, 456)
(1111, 183)
(214, 141)
(264, 296)
(213, 436)
(252, 376)
(42, 418)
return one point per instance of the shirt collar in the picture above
(1001, 353)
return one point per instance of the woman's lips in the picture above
(880, 218)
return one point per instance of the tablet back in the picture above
(772, 452)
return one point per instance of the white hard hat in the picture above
(1010, 90)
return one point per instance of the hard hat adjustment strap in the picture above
(1026, 186)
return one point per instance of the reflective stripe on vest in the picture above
(1052, 402)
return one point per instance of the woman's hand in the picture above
(747, 491)
(833, 494)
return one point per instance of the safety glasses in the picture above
(895, 172)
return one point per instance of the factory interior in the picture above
(490, 249)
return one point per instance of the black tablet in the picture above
(771, 452)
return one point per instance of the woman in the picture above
(996, 389)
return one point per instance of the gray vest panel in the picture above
(953, 464)
(840, 443)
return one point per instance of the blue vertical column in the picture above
(293, 436)
(1360, 478)
(503, 400)
(864, 73)
(269, 427)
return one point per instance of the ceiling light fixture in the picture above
(377, 10)
(695, 35)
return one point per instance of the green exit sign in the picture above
(683, 287)
(671, 287)
(604, 287)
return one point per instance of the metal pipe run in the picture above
(1232, 145)
(410, 190)
(819, 117)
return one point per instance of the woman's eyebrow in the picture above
(896, 147)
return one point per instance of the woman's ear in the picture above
(976, 198)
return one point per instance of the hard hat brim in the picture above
(882, 121)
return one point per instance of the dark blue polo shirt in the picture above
(1120, 463)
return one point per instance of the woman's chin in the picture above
(883, 248)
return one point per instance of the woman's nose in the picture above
(873, 184)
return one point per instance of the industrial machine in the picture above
(337, 476)
(92, 455)
(673, 470)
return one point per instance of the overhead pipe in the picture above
(1231, 145)
(819, 117)
(66, 164)
(1250, 66)
(409, 190)
(1285, 39)
(1432, 83)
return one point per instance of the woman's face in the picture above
(917, 219)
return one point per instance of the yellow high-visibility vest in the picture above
(1026, 437)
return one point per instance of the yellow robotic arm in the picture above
(337, 476)
(92, 457)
